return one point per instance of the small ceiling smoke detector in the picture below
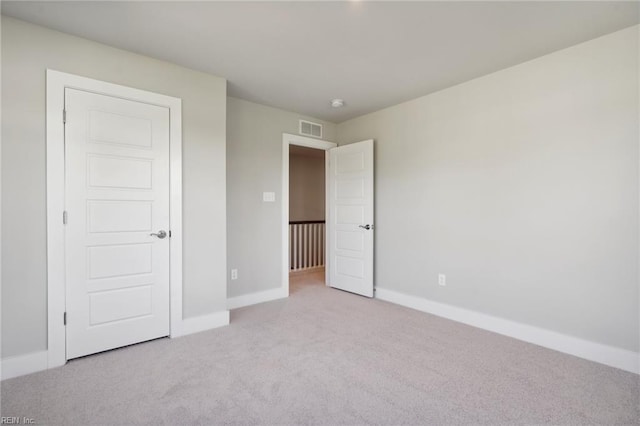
(337, 103)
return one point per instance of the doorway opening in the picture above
(348, 242)
(304, 210)
(307, 232)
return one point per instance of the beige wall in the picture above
(306, 188)
(27, 51)
(254, 165)
(520, 186)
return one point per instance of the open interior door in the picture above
(350, 224)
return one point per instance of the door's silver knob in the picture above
(367, 226)
(161, 234)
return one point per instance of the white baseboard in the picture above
(608, 355)
(20, 365)
(203, 323)
(259, 297)
(38, 361)
(313, 269)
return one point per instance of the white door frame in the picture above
(289, 139)
(57, 82)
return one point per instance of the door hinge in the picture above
(64, 116)
(169, 233)
(64, 217)
(64, 318)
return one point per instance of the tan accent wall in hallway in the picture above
(306, 187)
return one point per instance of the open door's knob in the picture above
(367, 226)
(161, 234)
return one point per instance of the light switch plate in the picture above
(269, 197)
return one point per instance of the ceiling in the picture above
(299, 55)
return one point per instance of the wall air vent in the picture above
(308, 128)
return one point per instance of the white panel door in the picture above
(116, 197)
(350, 225)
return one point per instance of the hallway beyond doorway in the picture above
(306, 279)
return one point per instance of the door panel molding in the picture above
(57, 82)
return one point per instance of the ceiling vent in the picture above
(308, 128)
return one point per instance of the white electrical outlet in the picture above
(234, 274)
(268, 197)
(442, 279)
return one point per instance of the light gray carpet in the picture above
(328, 357)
